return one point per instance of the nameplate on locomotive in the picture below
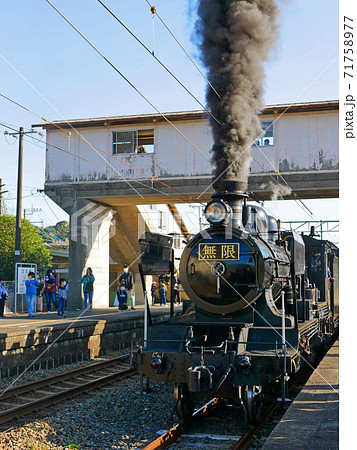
(218, 252)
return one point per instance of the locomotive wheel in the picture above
(184, 405)
(253, 403)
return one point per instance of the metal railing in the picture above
(21, 305)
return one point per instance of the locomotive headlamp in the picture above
(217, 212)
(156, 362)
(244, 364)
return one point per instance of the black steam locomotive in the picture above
(261, 302)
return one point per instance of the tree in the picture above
(33, 249)
(56, 233)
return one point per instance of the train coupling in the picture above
(200, 378)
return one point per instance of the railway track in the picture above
(26, 398)
(189, 435)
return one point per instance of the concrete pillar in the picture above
(90, 231)
(138, 289)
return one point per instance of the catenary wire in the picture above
(158, 60)
(91, 162)
(72, 154)
(183, 49)
(108, 169)
(137, 89)
(99, 149)
(130, 83)
(287, 184)
(92, 146)
(72, 127)
(66, 151)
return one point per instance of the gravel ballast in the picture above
(113, 418)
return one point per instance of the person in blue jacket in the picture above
(122, 297)
(4, 294)
(31, 288)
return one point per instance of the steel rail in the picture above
(247, 438)
(37, 384)
(67, 392)
(171, 436)
(177, 430)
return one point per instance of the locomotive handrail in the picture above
(282, 261)
(253, 342)
(204, 349)
(225, 343)
(208, 348)
(159, 340)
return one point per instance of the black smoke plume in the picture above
(235, 39)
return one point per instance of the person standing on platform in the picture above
(39, 295)
(66, 300)
(128, 279)
(153, 293)
(31, 287)
(4, 294)
(62, 296)
(177, 287)
(88, 288)
(162, 293)
(50, 288)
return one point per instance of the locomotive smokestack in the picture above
(232, 192)
(235, 37)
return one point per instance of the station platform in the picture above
(47, 340)
(311, 422)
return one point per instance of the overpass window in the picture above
(268, 138)
(138, 141)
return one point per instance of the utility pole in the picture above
(19, 199)
(21, 134)
(30, 211)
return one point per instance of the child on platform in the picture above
(162, 293)
(122, 297)
(62, 296)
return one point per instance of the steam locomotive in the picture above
(261, 303)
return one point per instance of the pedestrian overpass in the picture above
(101, 170)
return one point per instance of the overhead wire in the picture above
(95, 49)
(283, 179)
(183, 49)
(129, 82)
(119, 21)
(158, 60)
(51, 209)
(133, 85)
(305, 209)
(93, 146)
(7, 126)
(91, 162)
(43, 118)
(279, 184)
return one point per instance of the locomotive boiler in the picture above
(253, 314)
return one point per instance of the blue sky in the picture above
(49, 56)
